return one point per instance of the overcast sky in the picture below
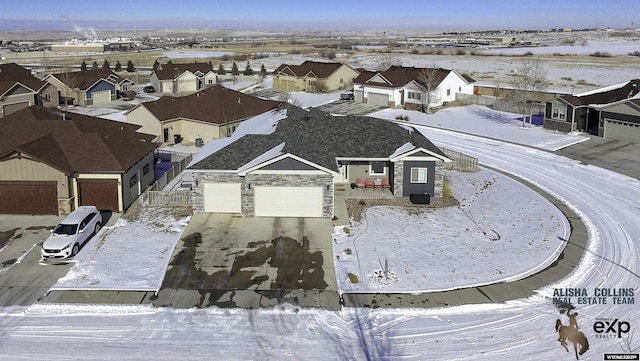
(445, 15)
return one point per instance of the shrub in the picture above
(362, 202)
(461, 52)
(348, 251)
(567, 78)
(415, 51)
(528, 53)
(601, 54)
(353, 278)
(635, 53)
(346, 230)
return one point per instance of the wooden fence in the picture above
(157, 196)
(460, 161)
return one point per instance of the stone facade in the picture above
(199, 179)
(438, 190)
(559, 125)
(248, 193)
(398, 169)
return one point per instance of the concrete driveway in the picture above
(252, 262)
(22, 280)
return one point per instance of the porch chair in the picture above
(359, 182)
(368, 183)
(385, 183)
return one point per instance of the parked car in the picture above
(72, 233)
(149, 89)
(346, 96)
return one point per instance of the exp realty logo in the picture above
(610, 328)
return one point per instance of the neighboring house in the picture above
(621, 120)
(581, 112)
(177, 79)
(20, 89)
(405, 87)
(88, 87)
(52, 162)
(313, 76)
(292, 167)
(208, 114)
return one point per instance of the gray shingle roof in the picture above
(320, 138)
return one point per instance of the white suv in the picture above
(72, 233)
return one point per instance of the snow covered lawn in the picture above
(131, 255)
(480, 120)
(501, 231)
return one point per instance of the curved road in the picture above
(609, 205)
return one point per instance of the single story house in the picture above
(313, 76)
(52, 162)
(208, 114)
(177, 79)
(406, 87)
(88, 87)
(581, 112)
(20, 89)
(621, 120)
(292, 166)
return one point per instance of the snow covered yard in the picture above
(131, 255)
(480, 120)
(501, 231)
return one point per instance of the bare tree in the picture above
(429, 79)
(530, 79)
(70, 82)
(285, 97)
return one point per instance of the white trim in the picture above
(286, 155)
(372, 173)
(420, 149)
(426, 175)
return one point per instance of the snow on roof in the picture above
(602, 90)
(264, 123)
(270, 154)
(402, 149)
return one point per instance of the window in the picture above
(210, 81)
(133, 180)
(558, 113)
(377, 168)
(418, 175)
(145, 169)
(448, 92)
(459, 89)
(341, 81)
(412, 95)
(47, 96)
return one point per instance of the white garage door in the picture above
(288, 202)
(379, 99)
(222, 197)
(627, 132)
(101, 97)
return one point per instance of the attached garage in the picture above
(288, 201)
(101, 96)
(358, 96)
(12, 108)
(102, 193)
(223, 197)
(379, 99)
(28, 198)
(621, 130)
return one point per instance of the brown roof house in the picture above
(88, 87)
(52, 162)
(177, 79)
(208, 114)
(20, 89)
(582, 112)
(313, 76)
(410, 88)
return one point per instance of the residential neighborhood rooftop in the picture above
(84, 79)
(217, 105)
(12, 73)
(172, 70)
(319, 69)
(320, 138)
(398, 76)
(605, 95)
(73, 142)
